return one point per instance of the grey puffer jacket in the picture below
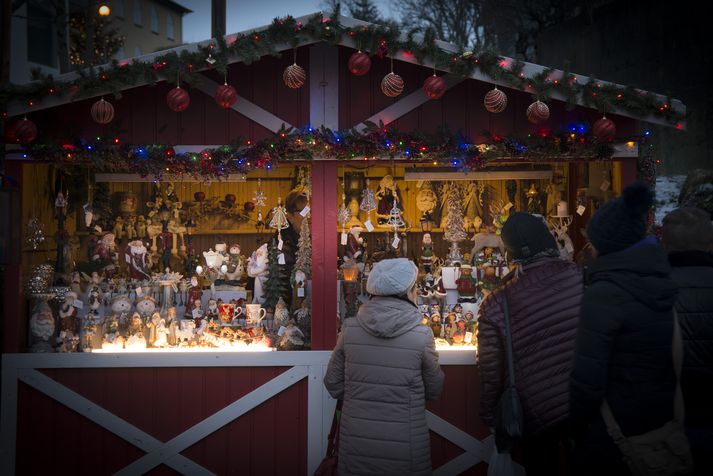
(384, 367)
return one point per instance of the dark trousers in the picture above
(546, 453)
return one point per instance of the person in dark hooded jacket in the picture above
(623, 346)
(688, 239)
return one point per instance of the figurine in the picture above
(292, 338)
(387, 195)
(212, 312)
(137, 260)
(197, 312)
(141, 227)
(130, 227)
(104, 254)
(136, 339)
(185, 332)
(426, 253)
(488, 239)
(235, 266)
(466, 284)
(436, 325)
(145, 305)
(89, 329)
(172, 324)
(281, 314)
(165, 245)
(258, 269)
(112, 338)
(41, 327)
(450, 327)
(161, 330)
(119, 227)
(195, 293)
(355, 250)
(68, 339)
(120, 307)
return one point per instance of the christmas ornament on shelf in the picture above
(359, 63)
(434, 86)
(538, 112)
(259, 198)
(178, 99)
(294, 76)
(455, 229)
(495, 101)
(395, 221)
(368, 202)
(23, 131)
(102, 111)
(279, 218)
(604, 129)
(226, 95)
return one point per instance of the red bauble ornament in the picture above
(230, 199)
(199, 196)
(604, 129)
(392, 85)
(294, 76)
(102, 111)
(225, 96)
(538, 112)
(248, 206)
(23, 131)
(359, 63)
(178, 99)
(434, 87)
(495, 101)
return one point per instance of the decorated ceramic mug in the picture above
(228, 312)
(255, 314)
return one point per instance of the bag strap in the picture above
(508, 339)
(678, 407)
(333, 439)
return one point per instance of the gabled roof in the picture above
(529, 70)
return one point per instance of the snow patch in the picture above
(667, 191)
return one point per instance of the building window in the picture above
(169, 27)
(138, 17)
(120, 54)
(119, 8)
(137, 51)
(154, 19)
(41, 34)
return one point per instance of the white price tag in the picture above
(468, 337)
(300, 292)
(281, 330)
(368, 225)
(128, 258)
(508, 206)
(281, 258)
(139, 292)
(344, 238)
(279, 244)
(395, 243)
(605, 185)
(304, 211)
(78, 304)
(580, 210)
(568, 247)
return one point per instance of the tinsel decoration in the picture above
(434, 87)
(23, 131)
(226, 96)
(178, 99)
(279, 218)
(294, 76)
(359, 63)
(604, 129)
(35, 233)
(495, 101)
(538, 112)
(102, 112)
(368, 202)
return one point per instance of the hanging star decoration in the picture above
(343, 214)
(35, 232)
(259, 197)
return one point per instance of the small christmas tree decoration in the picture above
(178, 99)
(303, 257)
(604, 129)
(359, 63)
(538, 112)
(434, 87)
(455, 224)
(102, 111)
(368, 202)
(392, 85)
(276, 285)
(226, 96)
(23, 131)
(495, 101)
(279, 218)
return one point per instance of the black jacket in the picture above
(623, 347)
(693, 273)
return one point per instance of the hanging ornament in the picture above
(210, 60)
(383, 50)
(359, 63)
(538, 112)
(102, 112)
(35, 232)
(495, 101)
(343, 213)
(259, 197)
(434, 86)
(604, 129)
(23, 131)
(395, 220)
(368, 202)
(178, 99)
(294, 76)
(392, 85)
(279, 218)
(226, 96)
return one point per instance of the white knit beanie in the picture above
(391, 277)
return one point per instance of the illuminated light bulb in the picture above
(630, 144)
(104, 11)
(199, 269)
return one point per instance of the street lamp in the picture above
(104, 11)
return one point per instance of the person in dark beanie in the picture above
(688, 239)
(623, 348)
(543, 294)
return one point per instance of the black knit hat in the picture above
(525, 236)
(687, 229)
(621, 222)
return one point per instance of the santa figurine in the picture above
(355, 246)
(426, 253)
(68, 339)
(137, 260)
(195, 293)
(466, 284)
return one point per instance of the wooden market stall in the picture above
(195, 410)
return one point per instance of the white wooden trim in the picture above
(103, 418)
(317, 436)
(173, 447)
(406, 104)
(245, 107)
(457, 465)
(324, 86)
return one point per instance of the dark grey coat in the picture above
(384, 367)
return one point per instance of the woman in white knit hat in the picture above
(384, 367)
